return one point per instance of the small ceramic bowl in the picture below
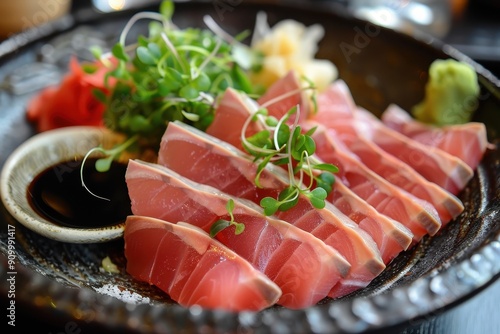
(34, 156)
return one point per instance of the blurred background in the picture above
(471, 26)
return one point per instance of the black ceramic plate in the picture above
(64, 285)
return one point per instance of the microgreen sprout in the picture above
(283, 144)
(222, 224)
(169, 74)
(104, 164)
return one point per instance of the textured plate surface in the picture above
(62, 282)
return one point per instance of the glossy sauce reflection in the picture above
(58, 195)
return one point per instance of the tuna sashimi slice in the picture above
(467, 142)
(399, 173)
(334, 103)
(285, 94)
(303, 266)
(417, 215)
(391, 236)
(230, 170)
(447, 171)
(194, 269)
(339, 231)
(236, 174)
(233, 110)
(434, 164)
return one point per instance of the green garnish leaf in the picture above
(222, 224)
(230, 206)
(241, 80)
(155, 50)
(218, 226)
(311, 131)
(270, 205)
(327, 167)
(260, 168)
(202, 82)
(167, 9)
(99, 95)
(271, 121)
(145, 56)
(119, 52)
(288, 198)
(325, 180)
(283, 135)
(189, 92)
(317, 198)
(103, 165)
(139, 123)
(239, 228)
(309, 145)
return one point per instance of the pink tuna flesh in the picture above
(417, 215)
(233, 110)
(399, 173)
(283, 95)
(447, 171)
(303, 266)
(467, 142)
(231, 171)
(185, 262)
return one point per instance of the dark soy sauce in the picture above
(57, 194)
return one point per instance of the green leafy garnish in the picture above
(222, 224)
(282, 144)
(170, 74)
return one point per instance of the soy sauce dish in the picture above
(41, 186)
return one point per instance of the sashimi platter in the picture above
(232, 167)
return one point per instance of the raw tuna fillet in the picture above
(434, 164)
(467, 142)
(391, 236)
(399, 173)
(419, 216)
(447, 171)
(334, 103)
(227, 169)
(194, 269)
(285, 94)
(233, 109)
(336, 229)
(303, 266)
(235, 172)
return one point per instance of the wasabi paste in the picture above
(450, 94)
